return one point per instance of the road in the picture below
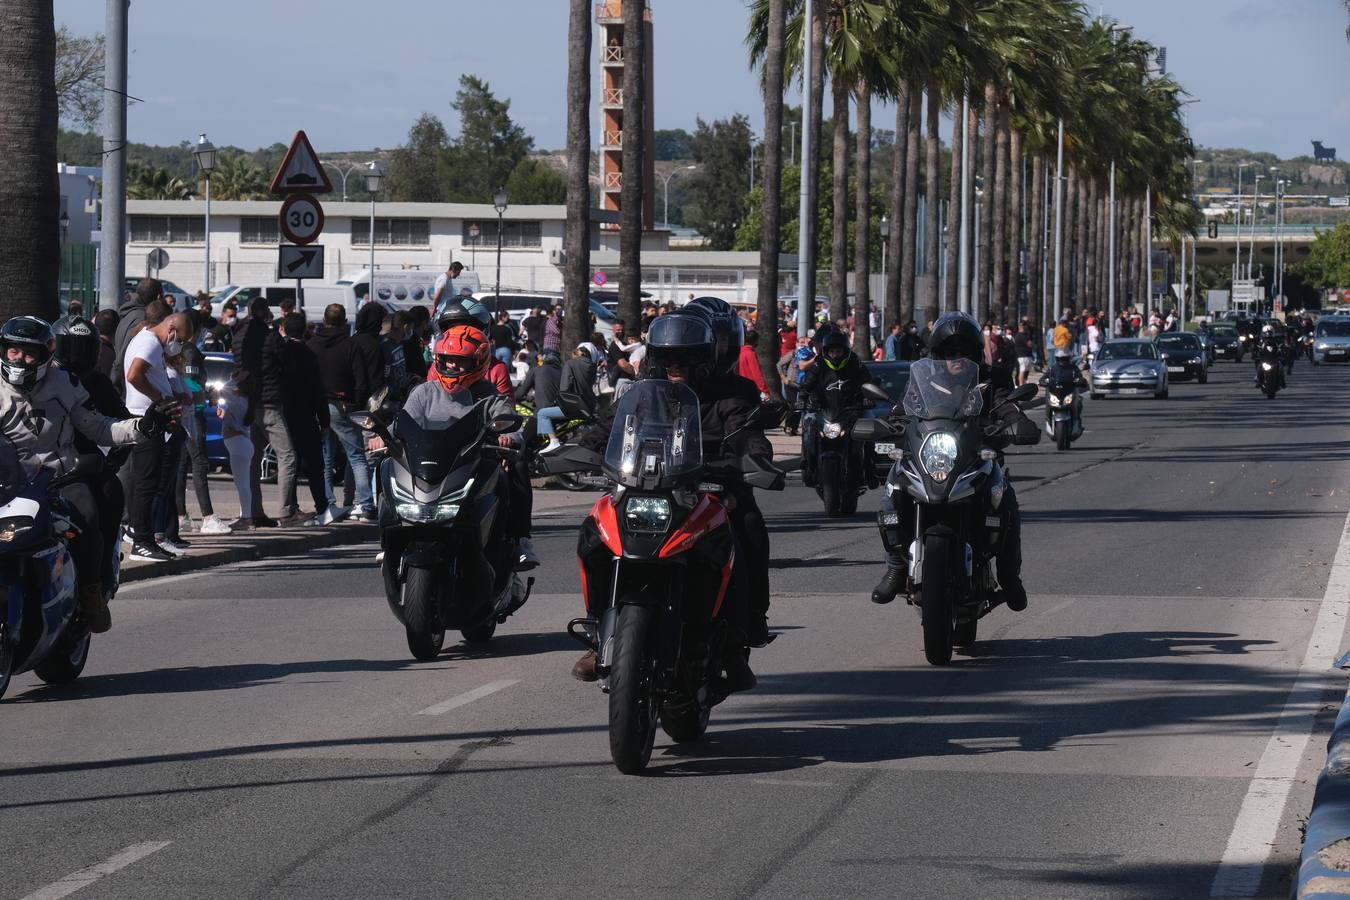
(260, 730)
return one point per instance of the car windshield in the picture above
(1329, 328)
(1222, 328)
(433, 452)
(657, 435)
(1179, 341)
(943, 389)
(1128, 350)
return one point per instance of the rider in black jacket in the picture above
(681, 347)
(835, 382)
(957, 335)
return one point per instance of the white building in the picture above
(80, 192)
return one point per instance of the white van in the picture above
(243, 294)
(405, 288)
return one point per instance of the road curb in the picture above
(267, 547)
(1324, 868)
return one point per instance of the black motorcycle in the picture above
(1063, 412)
(447, 561)
(957, 486)
(1270, 369)
(843, 467)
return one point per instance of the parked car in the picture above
(1184, 356)
(181, 298)
(219, 368)
(519, 304)
(1128, 367)
(1331, 340)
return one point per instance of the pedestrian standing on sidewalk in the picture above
(748, 361)
(306, 412)
(347, 372)
(445, 290)
(232, 410)
(195, 461)
(553, 330)
(131, 313)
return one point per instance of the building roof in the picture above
(338, 209)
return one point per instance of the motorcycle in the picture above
(843, 469)
(1307, 349)
(657, 556)
(1245, 344)
(42, 629)
(447, 561)
(1063, 413)
(1270, 377)
(578, 416)
(957, 486)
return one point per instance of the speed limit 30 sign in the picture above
(301, 219)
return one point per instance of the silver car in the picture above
(1331, 340)
(1128, 367)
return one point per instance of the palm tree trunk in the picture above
(30, 243)
(1129, 261)
(998, 256)
(1090, 267)
(577, 235)
(1103, 229)
(813, 129)
(1070, 232)
(1036, 248)
(986, 236)
(767, 318)
(932, 163)
(1081, 261)
(1015, 199)
(955, 213)
(630, 213)
(910, 222)
(839, 234)
(977, 213)
(862, 234)
(896, 242)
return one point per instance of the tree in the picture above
(634, 155)
(671, 144)
(489, 145)
(418, 169)
(236, 179)
(534, 181)
(772, 85)
(577, 234)
(1328, 260)
(79, 78)
(145, 183)
(29, 193)
(717, 190)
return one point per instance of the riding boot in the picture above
(890, 585)
(739, 676)
(94, 608)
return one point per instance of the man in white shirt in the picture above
(147, 383)
(445, 288)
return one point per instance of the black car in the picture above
(892, 377)
(1223, 337)
(1184, 356)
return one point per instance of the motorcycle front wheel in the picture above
(66, 661)
(936, 600)
(425, 634)
(1062, 436)
(828, 477)
(6, 661)
(633, 705)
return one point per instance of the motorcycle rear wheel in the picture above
(633, 705)
(425, 634)
(66, 661)
(572, 481)
(936, 601)
(687, 724)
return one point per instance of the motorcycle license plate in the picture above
(1176, 368)
(885, 448)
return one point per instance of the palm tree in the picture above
(235, 178)
(29, 193)
(772, 85)
(839, 223)
(908, 225)
(577, 236)
(986, 236)
(631, 199)
(155, 184)
(896, 241)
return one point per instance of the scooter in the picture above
(447, 561)
(1063, 413)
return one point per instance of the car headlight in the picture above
(832, 430)
(1323, 347)
(938, 454)
(647, 514)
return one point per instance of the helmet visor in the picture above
(679, 332)
(455, 366)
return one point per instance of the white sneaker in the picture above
(128, 537)
(379, 557)
(335, 513)
(213, 525)
(553, 444)
(172, 546)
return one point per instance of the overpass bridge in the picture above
(1221, 250)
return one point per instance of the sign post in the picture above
(300, 177)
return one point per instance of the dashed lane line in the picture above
(82, 879)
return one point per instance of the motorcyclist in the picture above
(835, 382)
(1269, 348)
(41, 412)
(957, 335)
(1063, 373)
(682, 347)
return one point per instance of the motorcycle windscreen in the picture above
(433, 452)
(943, 389)
(657, 435)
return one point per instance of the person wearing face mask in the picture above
(145, 370)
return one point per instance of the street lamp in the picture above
(885, 232)
(344, 174)
(205, 153)
(474, 231)
(753, 139)
(1256, 217)
(374, 182)
(665, 189)
(1237, 235)
(500, 201)
(64, 221)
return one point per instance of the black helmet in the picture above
(463, 311)
(834, 349)
(34, 336)
(727, 328)
(684, 336)
(77, 344)
(956, 335)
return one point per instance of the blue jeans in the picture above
(546, 416)
(354, 446)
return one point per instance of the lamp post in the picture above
(1237, 235)
(205, 152)
(885, 232)
(500, 201)
(474, 232)
(64, 222)
(374, 182)
(1256, 217)
(665, 192)
(343, 174)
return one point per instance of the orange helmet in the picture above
(461, 357)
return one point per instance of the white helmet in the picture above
(1267, 329)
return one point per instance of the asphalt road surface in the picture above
(261, 731)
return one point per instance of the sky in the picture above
(1264, 74)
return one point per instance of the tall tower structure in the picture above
(609, 16)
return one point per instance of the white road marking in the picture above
(1253, 835)
(468, 697)
(82, 879)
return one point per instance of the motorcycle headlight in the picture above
(1054, 400)
(832, 430)
(1267, 366)
(938, 454)
(647, 514)
(12, 527)
(427, 512)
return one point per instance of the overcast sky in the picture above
(1266, 74)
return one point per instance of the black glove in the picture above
(159, 417)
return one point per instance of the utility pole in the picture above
(1059, 224)
(1111, 252)
(963, 296)
(113, 244)
(1148, 243)
(1237, 235)
(805, 249)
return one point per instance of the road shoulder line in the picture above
(77, 881)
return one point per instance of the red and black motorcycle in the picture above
(658, 556)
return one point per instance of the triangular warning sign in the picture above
(301, 172)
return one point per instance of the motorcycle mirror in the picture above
(1025, 392)
(363, 420)
(874, 430)
(504, 424)
(874, 392)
